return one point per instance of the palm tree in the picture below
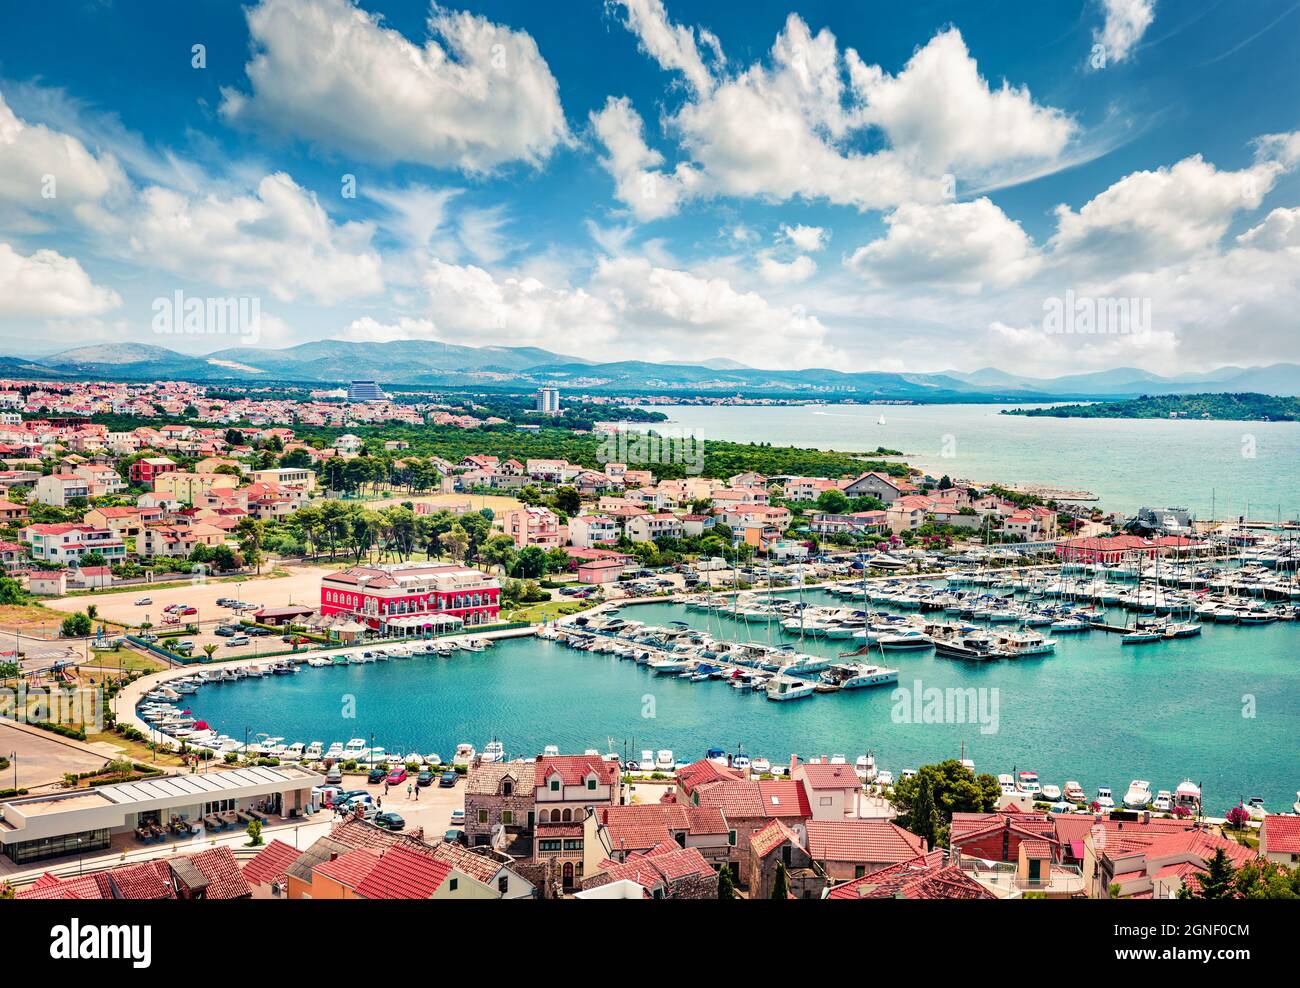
(209, 650)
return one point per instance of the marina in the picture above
(1169, 711)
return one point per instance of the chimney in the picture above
(794, 761)
(825, 760)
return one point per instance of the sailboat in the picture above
(880, 421)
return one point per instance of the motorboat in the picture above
(1007, 784)
(664, 761)
(1138, 795)
(494, 751)
(1104, 798)
(314, 752)
(1074, 792)
(1187, 795)
(761, 766)
(465, 754)
(1295, 807)
(1051, 793)
(855, 675)
(1027, 784)
(1254, 808)
(784, 687)
(864, 767)
(905, 641)
(1164, 801)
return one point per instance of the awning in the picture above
(425, 621)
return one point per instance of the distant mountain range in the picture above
(427, 363)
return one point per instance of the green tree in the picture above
(1216, 882)
(781, 884)
(953, 788)
(11, 591)
(924, 817)
(254, 833)
(76, 625)
(726, 886)
(251, 534)
(833, 501)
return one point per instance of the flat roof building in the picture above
(37, 828)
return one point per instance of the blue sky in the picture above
(891, 186)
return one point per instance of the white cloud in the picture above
(794, 126)
(777, 272)
(369, 330)
(639, 182)
(1155, 217)
(47, 284)
(44, 170)
(672, 46)
(941, 115)
(966, 246)
(1280, 229)
(631, 308)
(476, 95)
(280, 239)
(1126, 22)
(807, 238)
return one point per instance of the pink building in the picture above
(532, 526)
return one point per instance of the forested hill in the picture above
(1244, 407)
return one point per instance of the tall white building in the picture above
(548, 401)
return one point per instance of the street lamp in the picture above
(13, 757)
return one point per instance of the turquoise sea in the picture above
(1238, 468)
(1222, 709)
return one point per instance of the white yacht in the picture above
(1138, 796)
(1007, 784)
(1051, 793)
(314, 751)
(494, 751)
(1027, 784)
(1188, 796)
(905, 641)
(1104, 798)
(864, 767)
(664, 761)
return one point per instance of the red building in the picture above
(412, 598)
(1117, 548)
(144, 470)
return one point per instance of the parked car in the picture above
(238, 640)
(456, 836)
(141, 601)
(226, 601)
(187, 610)
(259, 632)
(333, 775)
(376, 776)
(225, 631)
(447, 780)
(389, 821)
(458, 818)
(425, 778)
(397, 776)
(148, 636)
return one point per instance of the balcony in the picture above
(1001, 878)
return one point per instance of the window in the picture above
(507, 788)
(482, 816)
(503, 884)
(454, 883)
(591, 784)
(825, 801)
(731, 838)
(859, 871)
(507, 817)
(555, 785)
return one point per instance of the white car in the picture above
(142, 601)
(457, 818)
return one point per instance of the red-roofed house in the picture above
(1143, 867)
(616, 832)
(666, 871)
(776, 844)
(1279, 839)
(924, 877)
(846, 849)
(265, 874)
(833, 790)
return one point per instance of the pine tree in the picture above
(726, 887)
(1217, 879)
(924, 817)
(781, 886)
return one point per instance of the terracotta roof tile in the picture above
(862, 840)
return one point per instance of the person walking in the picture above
(409, 787)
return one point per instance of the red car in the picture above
(188, 610)
(397, 776)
